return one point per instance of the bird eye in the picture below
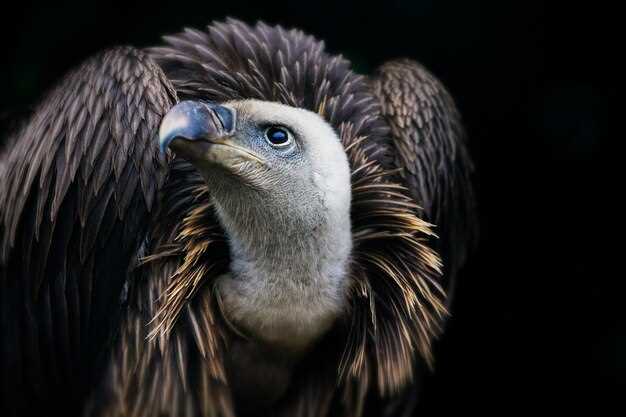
(278, 136)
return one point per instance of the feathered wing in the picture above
(434, 164)
(429, 142)
(78, 189)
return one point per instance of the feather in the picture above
(80, 148)
(430, 147)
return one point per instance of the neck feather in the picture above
(288, 274)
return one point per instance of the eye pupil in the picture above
(277, 136)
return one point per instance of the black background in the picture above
(537, 323)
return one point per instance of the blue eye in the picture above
(278, 136)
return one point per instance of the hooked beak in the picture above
(196, 121)
(204, 134)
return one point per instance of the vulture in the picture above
(234, 223)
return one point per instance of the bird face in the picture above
(257, 152)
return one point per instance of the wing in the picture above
(430, 148)
(430, 151)
(79, 184)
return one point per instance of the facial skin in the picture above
(285, 207)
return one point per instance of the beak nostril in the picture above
(226, 117)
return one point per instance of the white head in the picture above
(280, 181)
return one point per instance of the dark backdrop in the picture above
(536, 323)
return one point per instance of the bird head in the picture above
(285, 161)
(279, 179)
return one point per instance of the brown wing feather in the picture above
(78, 186)
(430, 146)
(429, 143)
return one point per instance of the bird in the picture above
(234, 223)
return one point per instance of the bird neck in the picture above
(288, 277)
